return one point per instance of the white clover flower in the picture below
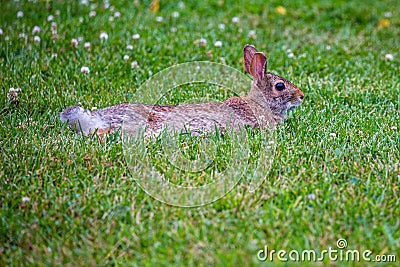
(328, 47)
(126, 57)
(87, 45)
(85, 69)
(55, 55)
(388, 14)
(175, 14)
(252, 34)
(235, 20)
(136, 36)
(53, 25)
(202, 42)
(92, 13)
(134, 64)
(221, 26)
(84, 2)
(218, 44)
(389, 57)
(311, 196)
(1, 31)
(159, 19)
(333, 135)
(50, 18)
(36, 39)
(14, 90)
(174, 29)
(12, 95)
(117, 14)
(20, 14)
(36, 29)
(25, 199)
(22, 35)
(74, 42)
(104, 35)
(129, 47)
(290, 55)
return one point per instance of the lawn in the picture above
(72, 200)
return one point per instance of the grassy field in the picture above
(71, 200)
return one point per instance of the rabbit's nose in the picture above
(301, 95)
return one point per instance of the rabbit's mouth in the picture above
(293, 105)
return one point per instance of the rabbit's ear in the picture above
(258, 66)
(248, 54)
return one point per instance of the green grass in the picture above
(70, 200)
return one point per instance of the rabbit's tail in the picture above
(82, 119)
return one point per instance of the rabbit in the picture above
(265, 105)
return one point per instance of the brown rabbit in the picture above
(265, 106)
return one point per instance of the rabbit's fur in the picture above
(265, 106)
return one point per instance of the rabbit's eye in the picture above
(280, 86)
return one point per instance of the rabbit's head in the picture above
(278, 93)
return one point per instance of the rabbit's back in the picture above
(234, 112)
